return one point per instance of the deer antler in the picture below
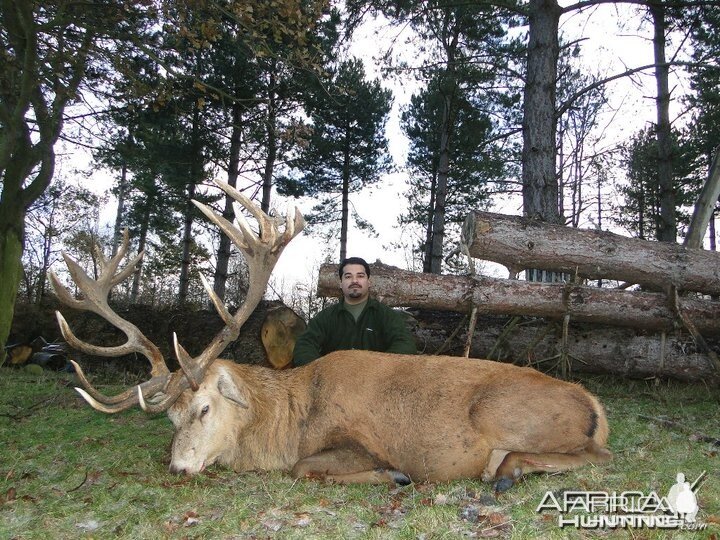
(95, 296)
(261, 253)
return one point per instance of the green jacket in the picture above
(379, 328)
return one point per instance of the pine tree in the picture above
(346, 149)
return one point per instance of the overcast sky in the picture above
(614, 40)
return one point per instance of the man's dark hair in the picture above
(353, 260)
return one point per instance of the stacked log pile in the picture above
(668, 328)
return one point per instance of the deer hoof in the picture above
(503, 484)
(401, 479)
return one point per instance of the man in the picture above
(356, 322)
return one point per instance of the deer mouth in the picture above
(207, 463)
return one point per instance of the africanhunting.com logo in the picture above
(628, 509)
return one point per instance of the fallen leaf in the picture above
(10, 496)
(496, 518)
(191, 522)
(189, 519)
(499, 524)
(170, 527)
(272, 524)
(441, 499)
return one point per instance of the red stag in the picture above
(352, 416)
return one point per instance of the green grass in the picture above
(67, 471)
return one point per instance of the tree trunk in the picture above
(186, 245)
(705, 206)
(447, 128)
(441, 187)
(271, 126)
(10, 270)
(540, 185)
(195, 174)
(122, 194)
(120, 214)
(224, 249)
(638, 310)
(667, 228)
(345, 210)
(520, 243)
(142, 241)
(31, 124)
(427, 251)
(48, 238)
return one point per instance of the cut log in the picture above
(493, 296)
(278, 333)
(520, 243)
(589, 348)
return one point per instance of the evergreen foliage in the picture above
(346, 149)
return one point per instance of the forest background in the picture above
(596, 114)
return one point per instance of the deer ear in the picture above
(230, 389)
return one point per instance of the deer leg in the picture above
(348, 466)
(515, 464)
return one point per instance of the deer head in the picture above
(164, 388)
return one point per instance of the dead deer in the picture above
(351, 416)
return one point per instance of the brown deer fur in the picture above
(359, 416)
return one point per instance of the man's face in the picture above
(355, 283)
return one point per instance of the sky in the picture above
(613, 41)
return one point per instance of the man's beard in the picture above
(355, 292)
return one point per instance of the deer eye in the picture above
(204, 410)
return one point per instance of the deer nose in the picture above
(177, 470)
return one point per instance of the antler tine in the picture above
(132, 345)
(108, 268)
(95, 294)
(261, 252)
(177, 384)
(128, 270)
(268, 230)
(293, 222)
(120, 402)
(94, 394)
(95, 299)
(224, 313)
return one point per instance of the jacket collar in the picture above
(371, 303)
